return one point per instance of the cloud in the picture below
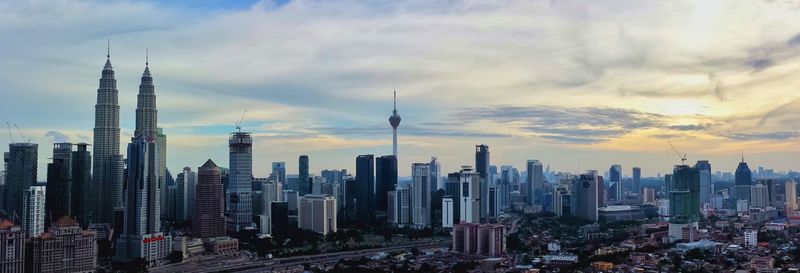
(760, 64)
(794, 41)
(56, 136)
(773, 136)
(689, 127)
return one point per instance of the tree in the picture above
(175, 257)
(695, 254)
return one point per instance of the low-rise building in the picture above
(222, 245)
(65, 248)
(12, 248)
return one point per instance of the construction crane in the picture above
(10, 136)
(27, 140)
(239, 123)
(683, 158)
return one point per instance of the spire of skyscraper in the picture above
(394, 120)
(107, 161)
(146, 113)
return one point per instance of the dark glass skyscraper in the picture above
(21, 174)
(385, 180)
(81, 183)
(303, 177)
(705, 180)
(209, 213)
(684, 195)
(107, 175)
(365, 188)
(239, 206)
(58, 191)
(744, 179)
(636, 172)
(482, 161)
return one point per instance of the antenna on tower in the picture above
(239, 123)
(683, 158)
(146, 56)
(108, 49)
(395, 99)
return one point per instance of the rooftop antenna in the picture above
(395, 100)
(683, 158)
(108, 49)
(146, 56)
(239, 123)
(10, 136)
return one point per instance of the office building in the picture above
(59, 190)
(65, 248)
(615, 183)
(759, 196)
(385, 180)
(421, 197)
(403, 205)
(436, 174)
(279, 172)
(185, 195)
(280, 218)
(270, 192)
(12, 248)
(683, 192)
(107, 173)
(317, 213)
(469, 195)
(34, 210)
(705, 180)
(209, 214)
(365, 188)
(535, 181)
(562, 201)
(239, 201)
(452, 189)
(303, 178)
(21, 170)
(292, 199)
(81, 184)
(649, 195)
(636, 186)
(141, 235)
(744, 179)
(585, 187)
(394, 121)
(165, 198)
(447, 212)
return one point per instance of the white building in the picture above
(33, 212)
(317, 213)
(447, 212)
(759, 196)
(470, 195)
(742, 205)
(751, 237)
(403, 207)
(421, 198)
(270, 192)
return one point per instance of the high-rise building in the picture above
(141, 235)
(791, 195)
(161, 143)
(535, 181)
(279, 171)
(562, 201)
(585, 187)
(683, 191)
(365, 188)
(185, 195)
(759, 196)
(705, 180)
(12, 248)
(107, 175)
(452, 189)
(81, 184)
(636, 187)
(447, 212)
(59, 188)
(317, 213)
(394, 120)
(482, 161)
(744, 179)
(33, 213)
(21, 170)
(649, 195)
(280, 218)
(615, 178)
(482, 239)
(421, 197)
(239, 202)
(469, 195)
(270, 192)
(436, 174)
(385, 180)
(404, 205)
(65, 248)
(304, 181)
(209, 213)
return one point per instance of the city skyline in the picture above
(720, 86)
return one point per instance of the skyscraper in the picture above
(317, 213)
(394, 120)
(279, 171)
(161, 143)
(209, 214)
(421, 196)
(791, 195)
(107, 175)
(615, 178)
(744, 179)
(636, 172)
(683, 191)
(385, 180)
(482, 161)
(21, 174)
(303, 176)
(186, 183)
(239, 201)
(705, 180)
(759, 196)
(535, 181)
(141, 228)
(436, 174)
(81, 184)
(365, 188)
(33, 214)
(59, 190)
(585, 186)
(469, 193)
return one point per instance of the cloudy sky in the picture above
(576, 84)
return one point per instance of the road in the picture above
(241, 264)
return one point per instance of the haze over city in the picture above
(576, 85)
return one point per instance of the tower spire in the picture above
(146, 56)
(395, 100)
(108, 49)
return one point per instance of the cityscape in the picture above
(621, 160)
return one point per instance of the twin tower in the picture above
(136, 193)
